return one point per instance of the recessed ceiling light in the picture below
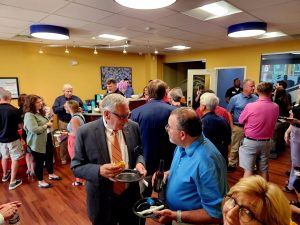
(213, 10)
(272, 35)
(145, 4)
(248, 29)
(178, 47)
(49, 32)
(110, 37)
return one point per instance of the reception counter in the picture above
(133, 103)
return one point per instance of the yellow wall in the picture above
(248, 56)
(45, 74)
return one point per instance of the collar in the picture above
(209, 113)
(107, 128)
(193, 147)
(264, 98)
(249, 96)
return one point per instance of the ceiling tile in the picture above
(21, 14)
(82, 12)
(255, 4)
(119, 21)
(36, 5)
(105, 5)
(275, 16)
(176, 20)
(14, 23)
(148, 15)
(63, 21)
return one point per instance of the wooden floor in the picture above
(65, 205)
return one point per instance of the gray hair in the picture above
(247, 80)
(110, 102)
(176, 94)
(210, 100)
(4, 94)
(67, 87)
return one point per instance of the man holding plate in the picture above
(99, 147)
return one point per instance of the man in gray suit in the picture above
(93, 161)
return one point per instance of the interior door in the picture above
(225, 81)
(195, 77)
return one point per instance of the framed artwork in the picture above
(118, 73)
(10, 84)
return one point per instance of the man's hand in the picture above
(8, 210)
(166, 174)
(109, 170)
(165, 215)
(141, 168)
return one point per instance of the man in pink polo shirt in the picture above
(259, 119)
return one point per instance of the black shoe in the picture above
(231, 168)
(287, 173)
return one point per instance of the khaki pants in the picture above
(236, 138)
(64, 144)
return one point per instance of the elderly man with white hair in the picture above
(214, 127)
(63, 117)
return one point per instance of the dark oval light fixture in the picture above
(49, 32)
(145, 4)
(248, 29)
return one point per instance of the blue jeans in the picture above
(295, 154)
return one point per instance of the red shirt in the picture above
(220, 111)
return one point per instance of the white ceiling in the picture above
(146, 29)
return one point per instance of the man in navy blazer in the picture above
(92, 161)
(152, 118)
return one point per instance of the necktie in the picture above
(116, 154)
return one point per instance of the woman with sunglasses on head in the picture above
(254, 201)
(36, 126)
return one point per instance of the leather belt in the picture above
(257, 139)
(238, 124)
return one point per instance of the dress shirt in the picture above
(237, 104)
(122, 144)
(129, 91)
(260, 118)
(58, 107)
(197, 179)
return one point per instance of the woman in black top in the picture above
(292, 136)
(281, 99)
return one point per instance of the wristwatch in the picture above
(179, 218)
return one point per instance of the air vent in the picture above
(23, 37)
(102, 46)
(296, 36)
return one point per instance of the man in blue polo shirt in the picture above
(197, 180)
(235, 107)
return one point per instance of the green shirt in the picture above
(36, 132)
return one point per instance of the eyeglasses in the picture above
(245, 214)
(167, 127)
(121, 117)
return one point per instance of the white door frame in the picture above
(190, 79)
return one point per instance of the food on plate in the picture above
(120, 164)
(151, 209)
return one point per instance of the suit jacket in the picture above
(152, 118)
(91, 151)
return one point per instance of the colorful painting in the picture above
(118, 73)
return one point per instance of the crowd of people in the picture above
(198, 148)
